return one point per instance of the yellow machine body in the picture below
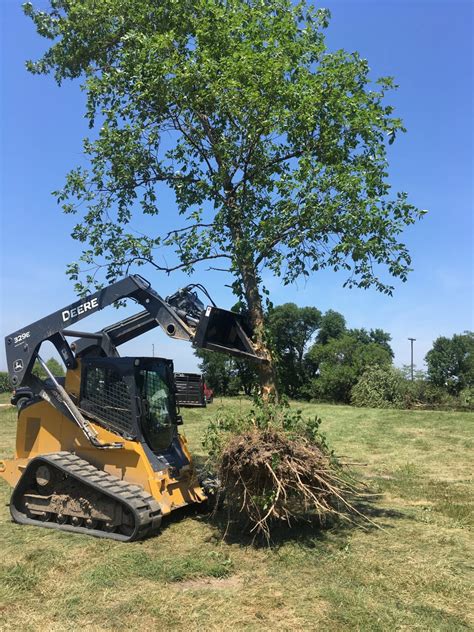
(101, 453)
(43, 429)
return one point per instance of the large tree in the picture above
(53, 365)
(450, 362)
(337, 365)
(218, 369)
(291, 329)
(274, 147)
(379, 336)
(332, 325)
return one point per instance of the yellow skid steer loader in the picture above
(99, 452)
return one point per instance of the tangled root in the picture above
(268, 477)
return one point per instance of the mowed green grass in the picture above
(5, 398)
(413, 574)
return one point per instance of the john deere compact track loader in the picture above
(98, 452)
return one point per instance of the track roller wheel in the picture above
(62, 491)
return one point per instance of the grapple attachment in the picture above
(225, 331)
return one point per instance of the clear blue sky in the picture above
(426, 46)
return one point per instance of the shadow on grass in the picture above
(307, 532)
(369, 515)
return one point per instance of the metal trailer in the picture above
(190, 390)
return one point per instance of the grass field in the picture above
(5, 398)
(414, 574)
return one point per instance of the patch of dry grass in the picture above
(412, 575)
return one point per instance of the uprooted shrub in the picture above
(276, 467)
(379, 387)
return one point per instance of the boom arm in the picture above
(181, 316)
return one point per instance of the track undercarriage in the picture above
(63, 491)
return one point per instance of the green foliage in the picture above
(226, 375)
(274, 147)
(377, 336)
(246, 377)
(218, 371)
(379, 387)
(451, 362)
(466, 398)
(333, 384)
(418, 374)
(5, 385)
(262, 416)
(53, 365)
(424, 394)
(325, 372)
(337, 365)
(332, 325)
(291, 329)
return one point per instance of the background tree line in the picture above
(53, 365)
(317, 357)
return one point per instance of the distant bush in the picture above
(334, 384)
(4, 382)
(421, 393)
(53, 365)
(379, 387)
(386, 387)
(466, 398)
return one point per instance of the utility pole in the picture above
(153, 352)
(412, 340)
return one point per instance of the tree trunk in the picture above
(244, 261)
(266, 370)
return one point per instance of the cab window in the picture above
(106, 396)
(158, 417)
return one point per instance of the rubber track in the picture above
(141, 505)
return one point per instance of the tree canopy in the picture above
(219, 371)
(338, 364)
(332, 325)
(274, 147)
(450, 362)
(53, 365)
(291, 328)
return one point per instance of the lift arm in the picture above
(181, 316)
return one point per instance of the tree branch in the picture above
(209, 131)
(270, 163)
(273, 243)
(180, 266)
(182, 230)
(219, 269)
(201, 151)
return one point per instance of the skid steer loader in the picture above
(98, 452)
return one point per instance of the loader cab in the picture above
(133, 397)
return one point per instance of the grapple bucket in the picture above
(225, 331)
